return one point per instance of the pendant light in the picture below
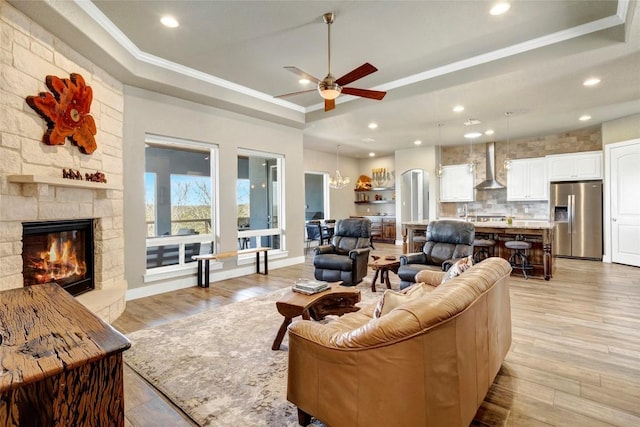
(439, 170)
(337, 182)
(507, 160)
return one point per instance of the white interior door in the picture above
(624, 175)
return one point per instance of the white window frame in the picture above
(274, 231)
(170, 271)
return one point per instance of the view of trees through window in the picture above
(177, 191)
(190, 204)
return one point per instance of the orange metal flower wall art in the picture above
(67, 112)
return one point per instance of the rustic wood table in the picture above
(382, 266)
(60, 365)
(337, 300)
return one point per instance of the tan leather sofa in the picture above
(428, 362)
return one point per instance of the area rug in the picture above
(218, 366)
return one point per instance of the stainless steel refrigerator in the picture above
(577, 209)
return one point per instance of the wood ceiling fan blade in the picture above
(297, 71)
(360, 72)
(364, 93)
(329, 104)
(296, 93)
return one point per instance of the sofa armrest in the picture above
(324, 249)
(413, 258)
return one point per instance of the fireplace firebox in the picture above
(60, 252)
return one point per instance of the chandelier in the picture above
(338, 181)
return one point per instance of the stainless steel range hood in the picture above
(490, 183)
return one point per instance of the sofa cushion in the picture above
(392, 299)
(430, 277)
(459, 267)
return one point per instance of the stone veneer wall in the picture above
(28, 53)
(494, 202)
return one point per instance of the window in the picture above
(259, 200)
(178, 201)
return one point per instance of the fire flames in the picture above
(57, 263)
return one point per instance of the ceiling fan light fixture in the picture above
(329, 90)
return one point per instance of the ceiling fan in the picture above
(330, 87)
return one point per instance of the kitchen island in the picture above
(538, 233)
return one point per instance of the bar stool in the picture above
(482, 253)
(418, 242)
(519, 258)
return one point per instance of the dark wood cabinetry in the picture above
(383, 228)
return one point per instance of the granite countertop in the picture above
(533, 224)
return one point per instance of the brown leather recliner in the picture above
(447, 240)
(428, 362)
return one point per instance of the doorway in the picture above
(624, 204)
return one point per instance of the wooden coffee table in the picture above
(382, 266)
(337, 300)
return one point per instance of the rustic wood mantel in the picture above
(60, 365)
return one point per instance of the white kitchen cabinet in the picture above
(527, 180)
(574, 166)
(456, 183)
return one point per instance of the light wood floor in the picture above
(575, 358)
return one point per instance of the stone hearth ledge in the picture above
(108, 304)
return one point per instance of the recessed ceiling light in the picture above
(169, 21)
(368, 140)
(372, 154)
(500, 8)
(373, 125)
(489, 132)
(304, 81)
(458, 108)
(417, 142)
(591, 81)
(584, 118)
(472, 135)
(472, 122)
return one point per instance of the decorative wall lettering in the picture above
(67, 112)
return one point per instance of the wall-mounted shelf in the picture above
(61, 182)
(376, 189)
(374, 202)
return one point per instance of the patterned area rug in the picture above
(218, 366)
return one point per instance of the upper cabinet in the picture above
(456, 183)
(575, 166)
(526, 180)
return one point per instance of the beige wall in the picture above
(622, 129)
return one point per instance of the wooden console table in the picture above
(60, 365)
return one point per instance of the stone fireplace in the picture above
(32, 187)
(94, 213)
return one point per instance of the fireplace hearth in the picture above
(60, 252)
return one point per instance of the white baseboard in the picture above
(187, 281)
